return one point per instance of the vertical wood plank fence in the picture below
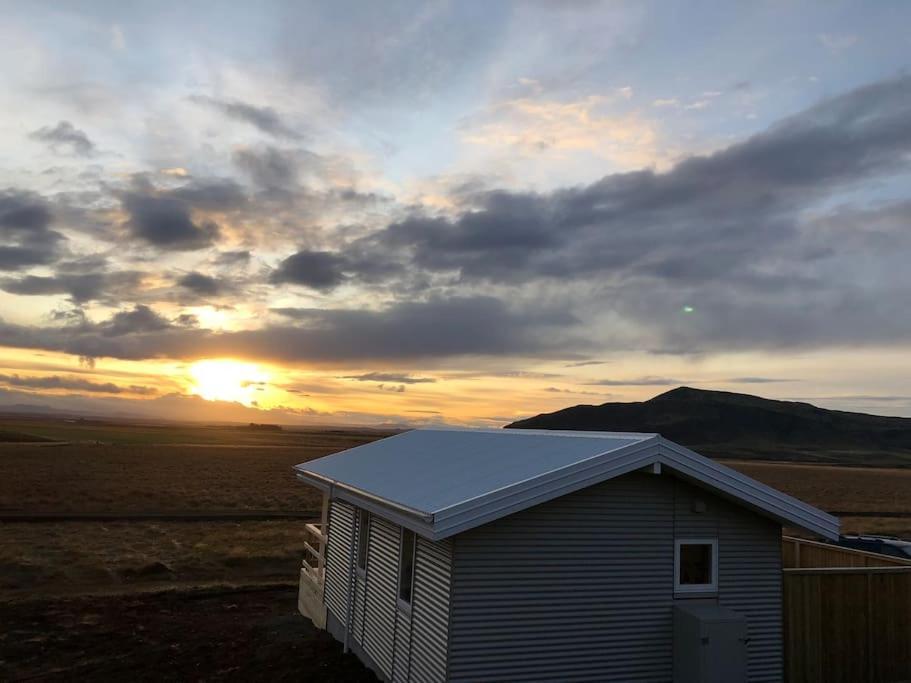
(845, 620)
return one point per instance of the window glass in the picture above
(363, 536)
(695, 564)
(406, 566)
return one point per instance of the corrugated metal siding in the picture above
(430, 610)
(749, 578)
(401, 669)
(378, 626)
(581, 588)
(749, 571)
(380, 612)
(338, 548)
(578, 588)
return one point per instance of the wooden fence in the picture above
(799, 553)
(848, 618)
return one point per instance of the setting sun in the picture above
(227, 380)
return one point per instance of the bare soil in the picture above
(205, 635)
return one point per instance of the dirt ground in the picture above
(250, 635)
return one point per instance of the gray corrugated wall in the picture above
(749, 571)
(581, 587)
(405, 646)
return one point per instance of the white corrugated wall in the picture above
(406, 645)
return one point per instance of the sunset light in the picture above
(227, 380)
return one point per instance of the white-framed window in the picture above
(696, 565)
(363, 538)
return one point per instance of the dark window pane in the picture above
(362, 538)
(406, 566)
(695, 564)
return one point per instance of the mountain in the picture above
(724, 424)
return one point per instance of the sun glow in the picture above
(227, 380)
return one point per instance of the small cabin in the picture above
(468, 555)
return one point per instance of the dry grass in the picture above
(159, 477)
(855, 489)
(74, 557)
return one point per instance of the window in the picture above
(363, 537)
(406, 567)
(696, 565)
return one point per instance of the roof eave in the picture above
(417, 520)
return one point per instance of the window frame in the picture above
(363, 541)
(695, 588)
(405, 605)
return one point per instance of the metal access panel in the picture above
(710, 644)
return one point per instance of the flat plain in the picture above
(102, 515)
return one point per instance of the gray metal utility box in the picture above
(710, 644)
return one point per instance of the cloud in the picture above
(759, 380)
(74, 384)
(166, 223)
(231, 259)
(80, 287)
(741, 237)
(270, 168)
(638, 382)
(321, 270)
(536, 126)
(65, 136)
(201, 284)
(25, 220)
(266, 119)
(396, 377)
(437, 328)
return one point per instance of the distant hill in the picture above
(722, 424)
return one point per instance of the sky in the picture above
(460, 212)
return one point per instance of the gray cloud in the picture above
(75, 384)
(212, 194)
(321, 270)
(269, 168)
(65, 136)
(266, 119)
(25, 220)
(733, 249)
(201, 284)
(166, 223)
(638, 382)
(399, 378)
(79, 286)
(438, 328)
(230, 259)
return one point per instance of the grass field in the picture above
(187, 471)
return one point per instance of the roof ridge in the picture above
(585, 434)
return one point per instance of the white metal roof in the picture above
(440, 482)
